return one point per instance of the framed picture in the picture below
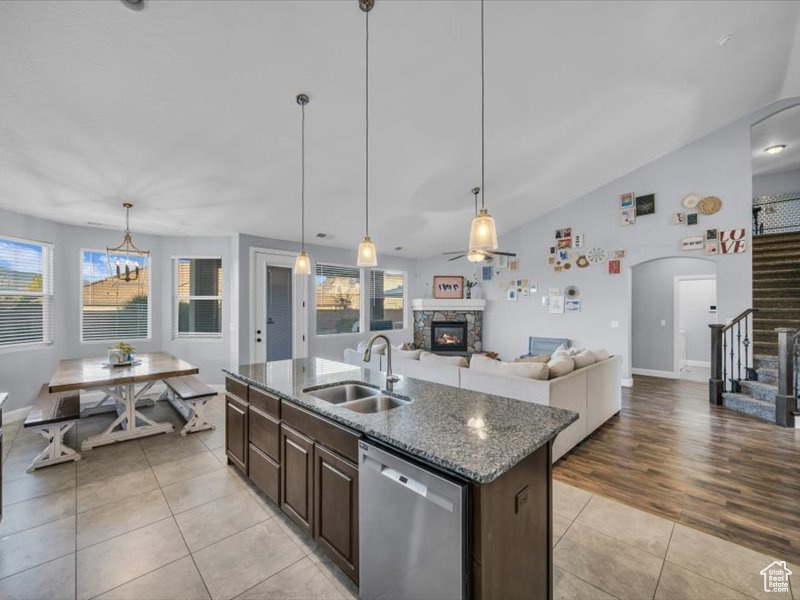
(511, 295)
(692, 243)
(577, 240)
(645, 205)
(513, 264)
(564, 243)
(733, 241)
(627, 216)
(626, 200)
(679, 218)
(614, 267)
(566, 232)
(712, 247)
(572, 306)
(486, 273)
(448, 286)
(691, 219)
(711, 235)
(502, 261)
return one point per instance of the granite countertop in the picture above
(478, 436)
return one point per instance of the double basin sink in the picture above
(357, 397)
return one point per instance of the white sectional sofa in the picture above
(594, 391)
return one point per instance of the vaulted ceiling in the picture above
(188, 108)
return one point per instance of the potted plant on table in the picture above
(121, 354)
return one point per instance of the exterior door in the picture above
(278, 301)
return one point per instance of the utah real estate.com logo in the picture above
(776, 577)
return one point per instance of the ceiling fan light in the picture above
(302, 264)
(483, 233)
(367, 255)
(777, 149)
(476, 256)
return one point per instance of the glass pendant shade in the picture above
(367, 256)
(302, 264)
(476, 256)
(483, 234)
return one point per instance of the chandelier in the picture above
(125, 269)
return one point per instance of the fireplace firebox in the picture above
(449, 336)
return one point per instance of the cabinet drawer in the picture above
(264, 433)
(265, 402)
(265, 473)
(337, 438)
(236, 388)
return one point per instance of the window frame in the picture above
(405, 298)
(203, 337)
(48, 292)
(80, 302)
(363, 302)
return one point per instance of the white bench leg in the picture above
(193, 413)
(56, 451)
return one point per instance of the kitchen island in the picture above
(302, 451)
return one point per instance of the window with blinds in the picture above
(113, 309)
(386, 300)
(197, 305)
(26, 293)
(338, 299)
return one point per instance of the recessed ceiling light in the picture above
(725, 40)
(134, 4)
(398, 248)
(322, 235)
(776, 149)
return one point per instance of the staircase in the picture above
(776, 296)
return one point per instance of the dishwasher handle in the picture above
(411, 484)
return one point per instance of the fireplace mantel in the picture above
(440, 304)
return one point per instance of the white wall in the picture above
(717, 164)
(776, 183)
(22, 372)
(325, 346)
(695, 299)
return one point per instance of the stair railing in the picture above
(730, 355)
(786, 399)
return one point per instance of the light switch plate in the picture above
(614, 324)
(663, 322)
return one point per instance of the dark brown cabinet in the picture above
(336, 509)
(236, 431)
(297, 478)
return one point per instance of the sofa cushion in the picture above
(407, 354)
(435, 359)
(601, 355)
(561, 366)
(528, 370)
(378, 347)
(561, 352)
(584, 359)
(542, 358)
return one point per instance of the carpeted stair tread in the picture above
(767, 375)
(765, 392)
(749, 406)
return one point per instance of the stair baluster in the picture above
(730, 351)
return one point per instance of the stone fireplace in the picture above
(448, 326)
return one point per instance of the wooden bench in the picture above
(189, 396)
(52, 416)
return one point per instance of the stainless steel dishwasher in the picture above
(412, 529)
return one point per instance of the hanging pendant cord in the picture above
(366, 128)
(483, 119)
(303, 177)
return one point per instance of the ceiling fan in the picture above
(477, 255)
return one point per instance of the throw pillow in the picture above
(584, 359)
(377, 348)
(407, 354)
(435, 359)
(561, 352)
(528, 370)
(601, 355)
(561, 366)
(542, 358)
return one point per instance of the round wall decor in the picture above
(690, 200)
(709, 205)
(582, 262)
(596, 256)
(571, 291)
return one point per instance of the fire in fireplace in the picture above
(449, 336)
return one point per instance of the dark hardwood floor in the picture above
(670, 453)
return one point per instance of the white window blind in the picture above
(112, 309)
(26, 293)
(338, 299)
(386, 300)
(197, 306)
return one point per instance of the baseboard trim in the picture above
(627, 382)
(654, 373)
(18, 414)
(699, 363)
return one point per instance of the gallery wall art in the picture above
(448, 286)
(733, 241)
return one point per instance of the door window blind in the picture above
(338, 292)
(386, 300)
(112, 309)
(26, 293)
(197, 305)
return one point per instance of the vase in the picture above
(468, 294)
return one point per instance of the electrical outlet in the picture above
(663, 322)
(614, 324)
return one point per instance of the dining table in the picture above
(119, 385)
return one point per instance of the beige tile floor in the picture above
(164, 517)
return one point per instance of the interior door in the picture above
(279, 308)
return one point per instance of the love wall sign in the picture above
(733, 241)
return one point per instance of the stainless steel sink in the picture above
(375, 404)
(345, 392)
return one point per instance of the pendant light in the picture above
(367, 255)
(129, 271)
(483, 233)
(302, 264)
(476, 256)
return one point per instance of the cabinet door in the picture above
(236, 432)
(297, 478)
(336, 509)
